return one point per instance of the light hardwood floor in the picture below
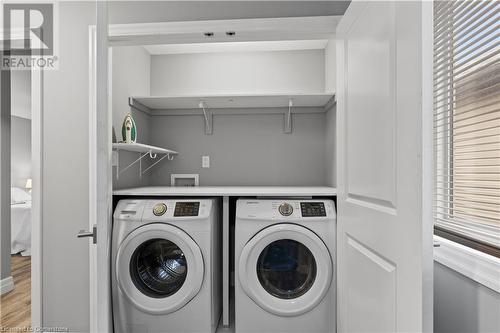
(15, 306)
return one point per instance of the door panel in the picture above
(372, 290)
(383, 205)
(370, 97)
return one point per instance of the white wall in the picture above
(65, 208)
(462, 305)
(331, 116)
(20, 151)
(330, 65)
(130, 77)
(232, 73)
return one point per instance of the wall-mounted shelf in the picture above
(143, 150)
(208, 105)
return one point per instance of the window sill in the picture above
(476, 265)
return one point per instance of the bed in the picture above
(20, 222)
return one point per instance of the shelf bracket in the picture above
(208, 114)
(119, 172)
(288, 118)
(155, 163)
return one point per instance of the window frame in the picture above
(489, 241)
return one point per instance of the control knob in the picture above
(159, 209)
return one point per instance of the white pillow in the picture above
(18, 195)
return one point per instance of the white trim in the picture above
(100, 175)
(6, 285)
(250, 46)
(37, 197)
(92, 178)
(284, 28)
(476, 265)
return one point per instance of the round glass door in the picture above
(286, 269)
(158, 268)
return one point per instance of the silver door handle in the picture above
(84, 234)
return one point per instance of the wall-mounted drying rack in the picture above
(143, 150)
(209, 105)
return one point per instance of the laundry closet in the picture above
(263, 112)
(260, 129)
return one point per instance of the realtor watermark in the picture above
(29, 35)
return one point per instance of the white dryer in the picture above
(165, 266)
(284, 267)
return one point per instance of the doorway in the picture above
(21, 188)
(16, 303)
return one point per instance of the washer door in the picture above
(286, 269)
(159, 268)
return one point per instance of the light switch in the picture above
(205, 161)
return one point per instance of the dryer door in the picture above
(159, 268)
(286, 269)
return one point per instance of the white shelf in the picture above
(208, 105)
(233, 101)
(142, 148)
(261, 191)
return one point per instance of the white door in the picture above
(384, 54)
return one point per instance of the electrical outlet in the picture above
(205, 161)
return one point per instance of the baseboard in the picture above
(6, 285)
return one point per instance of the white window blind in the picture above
(467, 119)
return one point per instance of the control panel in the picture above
(312, 209)
(187, 208)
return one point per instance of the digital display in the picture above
(186, 209)
(312, 209)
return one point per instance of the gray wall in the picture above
(5, 174)
(65, 259)
(21, 94)
(331, 146)
(243, 149)
(130, 69)
(463, 305)
(20, 151)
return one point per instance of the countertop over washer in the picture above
(262, 191)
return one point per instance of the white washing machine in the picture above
(166, 266)
(284, 266)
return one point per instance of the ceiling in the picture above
(165, 11)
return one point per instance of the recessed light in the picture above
(208, 34)
(230, 33)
